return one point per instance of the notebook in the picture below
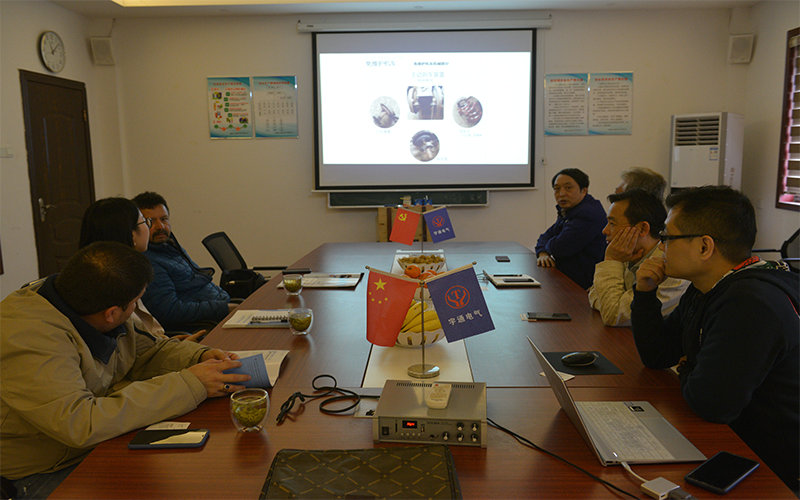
(621, 431)
(258, 318)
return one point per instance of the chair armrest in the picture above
(208, 271)
(269, 268)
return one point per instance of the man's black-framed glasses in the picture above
(664, 237)
(147, 221)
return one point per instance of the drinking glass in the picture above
(300, 320)
(293, 283)
(249, 408)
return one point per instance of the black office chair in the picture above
(790, 251)
(236, 279)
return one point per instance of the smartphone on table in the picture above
(545, 316)
(721, 472)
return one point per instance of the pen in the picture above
(507, 275)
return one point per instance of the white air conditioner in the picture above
(706, 150)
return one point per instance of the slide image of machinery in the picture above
(424, 145)
(384, 111)
(467, 111)
(426, 103)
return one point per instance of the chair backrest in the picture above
(790, 251)
(224, 252)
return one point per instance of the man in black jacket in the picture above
(736, 331)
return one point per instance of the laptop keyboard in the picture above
(631, 439)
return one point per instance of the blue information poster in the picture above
(275, 106)
(229, 108)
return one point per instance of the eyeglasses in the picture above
(147, 220)
(667, 237)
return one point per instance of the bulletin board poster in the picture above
(611, 103)
(566, 104)
(229, 108)
(275, 106)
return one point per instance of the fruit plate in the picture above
(399, 268)
(413, 339)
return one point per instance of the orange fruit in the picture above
(412, 271)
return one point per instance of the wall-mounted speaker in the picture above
(101, 50)
(740, 48)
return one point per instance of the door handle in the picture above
(43, 209)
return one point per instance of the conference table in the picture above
(235, 465)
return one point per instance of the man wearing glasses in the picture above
(735, 331)
(181, 296)
(634, 220)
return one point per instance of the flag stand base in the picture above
(423, 371)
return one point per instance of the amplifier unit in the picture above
(402, 415)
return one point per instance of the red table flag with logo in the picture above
(388, 299)
(404, 226)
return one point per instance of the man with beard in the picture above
(181, 296)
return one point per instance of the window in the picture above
(788, 195)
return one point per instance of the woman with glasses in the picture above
(119, 219)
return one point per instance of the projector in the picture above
(402, 416)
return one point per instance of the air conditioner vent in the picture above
(697, 131)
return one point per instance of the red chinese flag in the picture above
(404, 226)
(388, 300)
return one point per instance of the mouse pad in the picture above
(601, 366)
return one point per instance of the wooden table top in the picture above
(234, 465)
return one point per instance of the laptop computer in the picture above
(621, 431)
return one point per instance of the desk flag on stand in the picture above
(439, 224)
(459, 302)
(404, 226)
(388, 299)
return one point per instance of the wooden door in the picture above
(59, 164)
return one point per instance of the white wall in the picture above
(259, 191)
(21, 23)
(764, 89)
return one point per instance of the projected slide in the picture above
(396, 108)
(433, 109)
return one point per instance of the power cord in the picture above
(336, 394)
(526, 442)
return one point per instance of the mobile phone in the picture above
(721, 472)
(502, 258)
(539, 316)
(168, 438)
(296, 270)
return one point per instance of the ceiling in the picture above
(179, 8)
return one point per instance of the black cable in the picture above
(526, 442)
(325, 390)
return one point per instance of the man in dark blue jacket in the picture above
(181, 297)
(736, 330)
(575, 243)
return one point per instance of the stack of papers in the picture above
(259, 318)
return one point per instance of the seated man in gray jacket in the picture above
(634, 220)
(75, 372)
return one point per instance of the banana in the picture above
(430, 325)
(413, 311)
(417, 320)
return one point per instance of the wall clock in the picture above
(51, 50)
